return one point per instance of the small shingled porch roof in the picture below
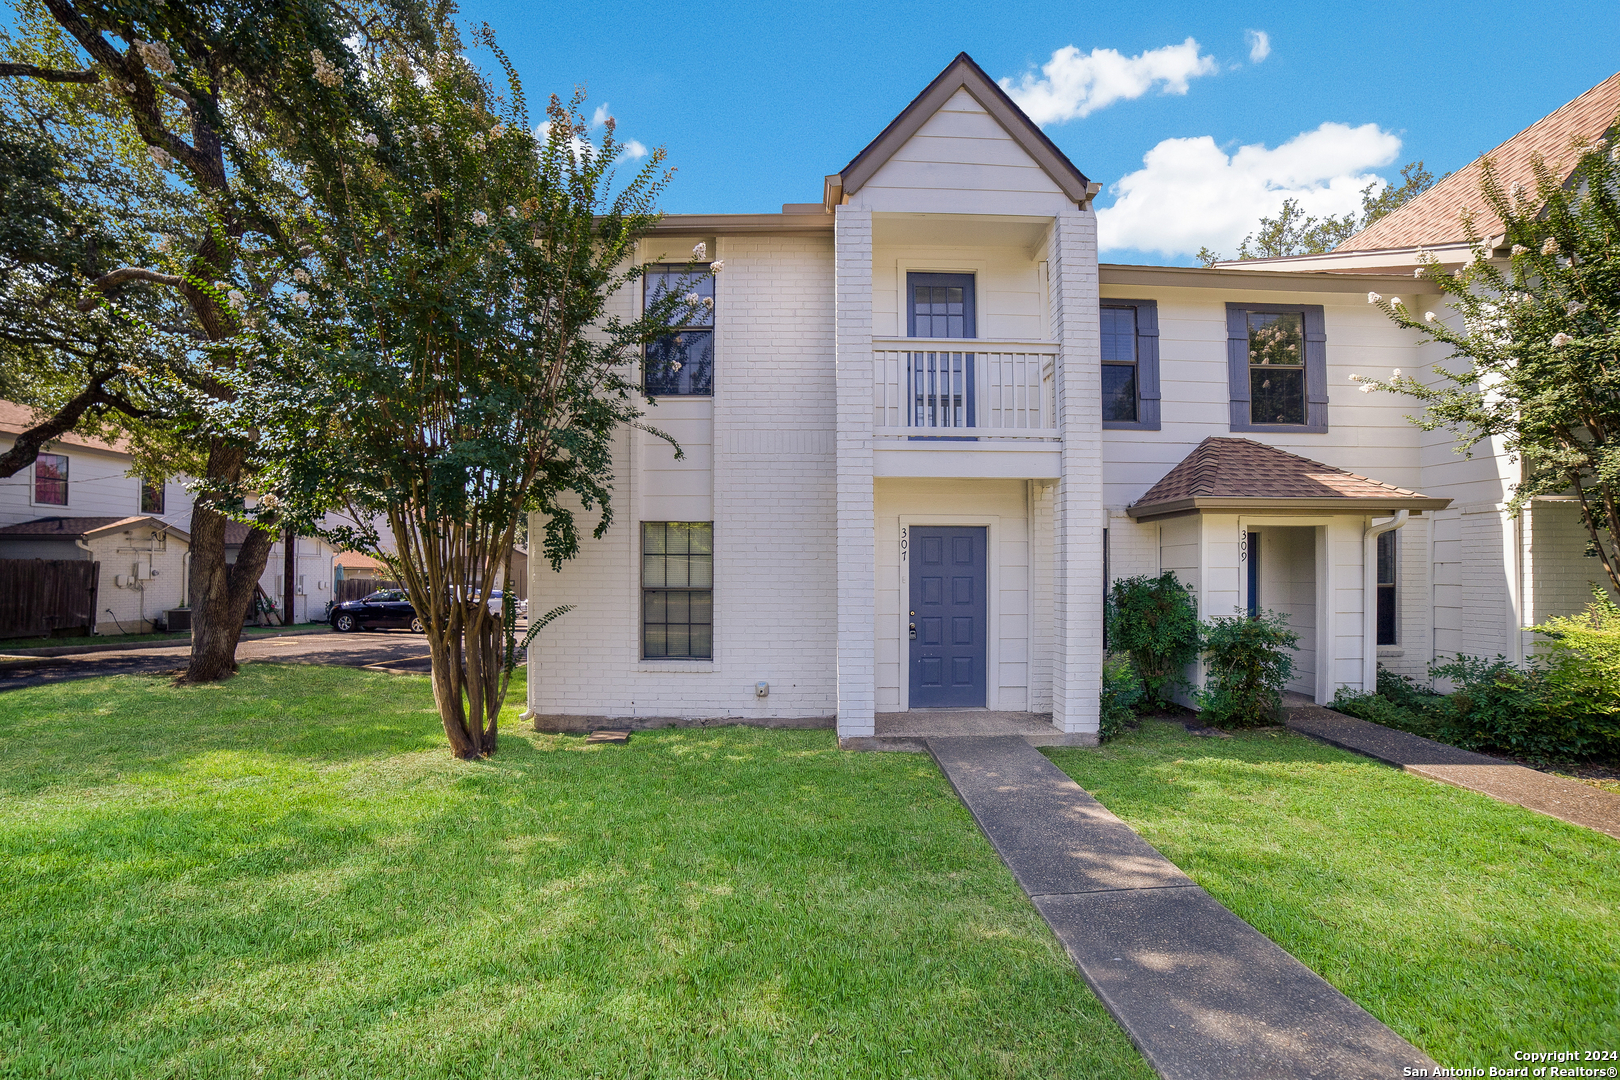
(1239, 474)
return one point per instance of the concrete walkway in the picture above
(1556, 796)
(1203, 995)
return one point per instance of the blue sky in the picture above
(756, 102)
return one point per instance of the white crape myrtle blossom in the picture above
(301, 276)
(370, 139)
(155, 55)
(1560, 340)
(512, 212)
(1373, 298)
(1520, 249)
(497, 131)
(1418, 272)
(1395, 374)
(301, 298)
(717, 266)
(1367, 388)
(325, 73)
(480, 218)
(1429, 316)
(236, 298)
(708, 302)
(1396, 301)
(1549, 246)
(700, 251)
(691, 299)
(1354, 377)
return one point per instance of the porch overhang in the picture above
(1242, 476)
(1305, 506)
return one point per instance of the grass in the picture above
(287, 875)
(7, 644)
(1472, 927)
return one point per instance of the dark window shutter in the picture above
(1316, 386)
(1237, 364)
(1147, 363)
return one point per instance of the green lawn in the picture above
(287, 875)
(1472, 927)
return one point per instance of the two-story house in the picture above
(923, 427)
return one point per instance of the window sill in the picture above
(1289, 429)
(1129, 425)
(706, 667)
(1391, 650)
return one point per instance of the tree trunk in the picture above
(220, 593)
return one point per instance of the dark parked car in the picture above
(389, 607)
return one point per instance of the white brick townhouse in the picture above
(922, 426)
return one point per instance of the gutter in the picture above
(1369, 597)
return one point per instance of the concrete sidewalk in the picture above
(1203, 995)
(1556, 796)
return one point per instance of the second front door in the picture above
(948, 616)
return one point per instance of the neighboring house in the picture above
(80, 479)
(143, 562)
(922, 426)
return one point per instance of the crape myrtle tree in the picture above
(1537, 354)
(448, 358)
(212, 90)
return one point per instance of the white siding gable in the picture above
(961, 161)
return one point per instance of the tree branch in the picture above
(109, 281)
(27, 447)
(30, 71)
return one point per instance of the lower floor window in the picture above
(677, 590)
(1386, 588)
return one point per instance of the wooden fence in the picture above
(41, 596)
(358, 588)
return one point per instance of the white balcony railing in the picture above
(964, 387)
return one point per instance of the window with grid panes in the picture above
(1387, 634)
(1119, 363)
(1276, 367)
(677, 590)
(681, 364)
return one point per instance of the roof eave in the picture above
(1248, 503)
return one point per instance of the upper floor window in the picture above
(940, 306)
(51, 479)
(681, 364)
(1130, 364)
(1277, 367)
(151, 495)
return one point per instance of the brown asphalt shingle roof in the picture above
(68, 528)
(1434, 217)
(1224, 472)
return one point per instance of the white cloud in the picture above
(633, 149)
(1190, 193)
(1259, 44)
(630, 149)
(1074, 84)
(601, 115)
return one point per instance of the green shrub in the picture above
(1581, 656)
(1121, 692)
(1400, 702)
(1155, 621)
(1527, 712)
(1248, 661)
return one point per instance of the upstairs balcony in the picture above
(965, 389)
(965, 396)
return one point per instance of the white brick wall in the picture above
(856, 580)
(1559, 574)
(773, 483)
(1077, 667)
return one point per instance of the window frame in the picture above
(1147, 365)
(711, 327)
(643, 589)
(64, 479)
(1390, 588)
(1313, 327)
(967, 280)
(159, 489)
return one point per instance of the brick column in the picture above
(852, 252)
(1077, 599)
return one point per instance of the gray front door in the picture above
(948, 624)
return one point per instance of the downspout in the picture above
(1369, 597)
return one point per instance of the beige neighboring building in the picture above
(143, 560)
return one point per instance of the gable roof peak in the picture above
(962, 73)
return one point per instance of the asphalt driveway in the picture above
(380, 650)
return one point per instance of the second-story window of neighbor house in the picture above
(677, 590)
(151, 495)
(51, 480)
(1277, 356)
(682, 363)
